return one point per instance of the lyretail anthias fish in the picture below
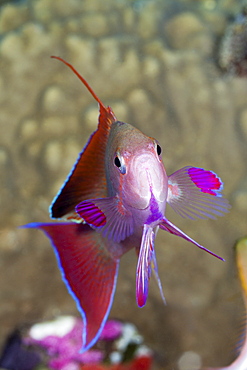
(115, 199)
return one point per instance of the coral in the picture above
(233, 55)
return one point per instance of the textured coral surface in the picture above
(156, 64)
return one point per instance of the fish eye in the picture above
(117, 162)
(120, 165)
(159, 150)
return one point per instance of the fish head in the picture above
(134, 167)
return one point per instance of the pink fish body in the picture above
(117, 194)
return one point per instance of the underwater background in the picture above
(169, 68)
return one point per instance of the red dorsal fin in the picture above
(87, 179)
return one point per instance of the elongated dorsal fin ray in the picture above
(87, 178)
(82, 80)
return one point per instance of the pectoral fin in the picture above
(196, 193)
(108, 216)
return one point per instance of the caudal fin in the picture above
(88, 270)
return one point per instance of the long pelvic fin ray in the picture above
(146, 261)
(171, 228)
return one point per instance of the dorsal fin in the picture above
(87, 179)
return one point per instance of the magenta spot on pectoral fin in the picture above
(91, 213)
(195, 192)
(107, 215)
(207, 181)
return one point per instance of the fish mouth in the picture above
(146, 178)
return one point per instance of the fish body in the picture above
(137, 184)
(116, 196)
